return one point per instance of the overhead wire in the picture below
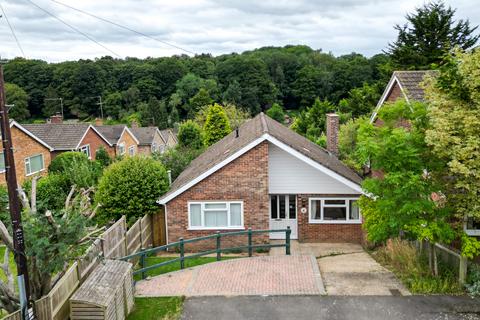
(74, 28)
(122, 26)
(12, 30)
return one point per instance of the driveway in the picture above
(332, 308)
(266, 275)
(347, 269)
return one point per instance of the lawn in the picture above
(175, 266)
(165, 308)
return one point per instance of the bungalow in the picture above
(403, 85)
(112, 133)
(263, 175)
(32, 155)
(127, 143)
(169, 137)
(63, 137)
(150, 140)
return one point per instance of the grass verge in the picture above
(162, 308)
(150, 261)
(403, 259)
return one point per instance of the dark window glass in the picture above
(282, 207)
(473, 224)
(334, 201)
(273, 206)
(334, 213)
(292, 203)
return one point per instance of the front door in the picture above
(283, 214)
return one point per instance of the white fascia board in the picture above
(160, 134)
(212, 170)
(380, 103)
(31, 135)
(101, 136)
(131, 134)
(315, 164)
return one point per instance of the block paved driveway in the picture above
(266, 275)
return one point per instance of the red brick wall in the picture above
(95, 142)
(245, 178)
(394, 93)
(309, 232)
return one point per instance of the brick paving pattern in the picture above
(269, 275)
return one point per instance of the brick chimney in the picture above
(134, 124)
(98, 122)
(56, 118)
(333, 125)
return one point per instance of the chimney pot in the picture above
(333, 124)
(236, 132)
(98, 122)
(56, 118)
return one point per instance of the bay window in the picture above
(215, 215)
(334, 210)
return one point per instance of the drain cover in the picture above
(395, 292)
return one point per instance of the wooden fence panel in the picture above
(13, 316)
(114, 240)
(159, 228)
(147, 231)
(134, 240)
(90, 259)
(62, 291)
(43, 308)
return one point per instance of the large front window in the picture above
(2, 162)
(34, 164)
(334, 210)
(85, 149)
(215, 215)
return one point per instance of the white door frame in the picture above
(282, 223)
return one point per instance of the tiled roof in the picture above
(411, 83)
(59, 136)
(250, 131)
(144, 135)
(111, 133)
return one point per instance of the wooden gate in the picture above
(159, 228)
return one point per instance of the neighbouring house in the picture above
(169, 137)
(127, 144)
(62, 137)
(150, 140)
(32, 155)
(264, 175)
(113, 134)
(403, 85)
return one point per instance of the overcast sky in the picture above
(206, 26)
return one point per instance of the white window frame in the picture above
(471, 232)
(202, 215)
(27, 162)
(154, 147)
(346, 205)
(131, 150)
(121, 148)
(86, 149)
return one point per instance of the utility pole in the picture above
(14, 204)
(99, 103)
(61, 103)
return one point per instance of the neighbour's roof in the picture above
(59, 136)
(111, 133)
(248, 133)
(144, 135)
(410, 81)
(165, 133)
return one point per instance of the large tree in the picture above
(455, 135)
(216, 125)
(17, 98)
(429, 34)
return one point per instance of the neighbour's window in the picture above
(121, 148)
(328, 210)
(162, 149)
(472, 227)
(2, 162)
(85, 149)
(34, 164)
(215, 215)
(131, 150)
(154, 147)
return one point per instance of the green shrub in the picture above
(276, 112)
(190, 135)
(473, 284)
(102, 157)
(66, 160)
(4, 213)
(130, 187)
(216, 125)
(177, 159)
(52, 191)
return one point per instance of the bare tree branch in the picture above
(90, 234)
(69, 197)
(6, 270)
(33, 195)
(23, 198)
(5, 236)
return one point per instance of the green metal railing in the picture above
(218, 250)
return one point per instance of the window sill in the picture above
(473, 232)
(210, 229)
(31, 174)
(334, 222)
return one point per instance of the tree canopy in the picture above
(216, 125)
